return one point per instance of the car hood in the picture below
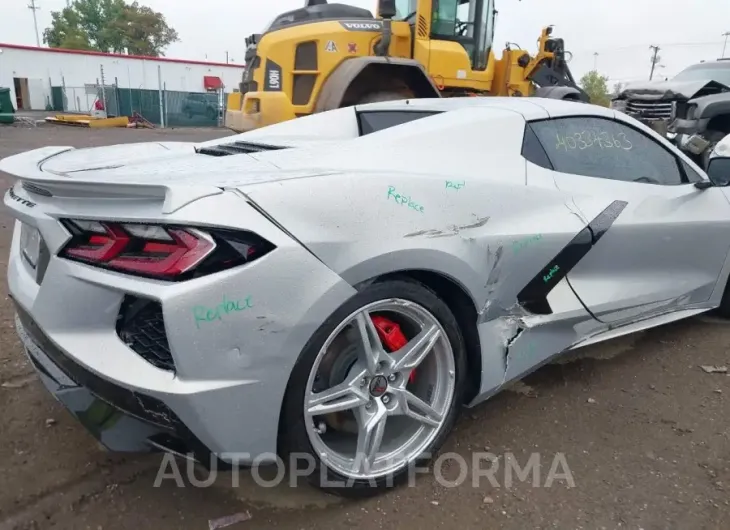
(671, 90)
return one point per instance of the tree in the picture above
(596, 85)
(618, 87)
(111, 26)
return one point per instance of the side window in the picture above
(598, 147)
(533, 150)
(374, 121)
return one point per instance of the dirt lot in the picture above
(639, 422)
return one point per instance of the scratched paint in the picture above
(404, 199)
(203, 314)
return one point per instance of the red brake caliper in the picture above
(391, 336)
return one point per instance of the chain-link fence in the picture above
(163, 108)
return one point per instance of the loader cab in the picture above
(468, 22)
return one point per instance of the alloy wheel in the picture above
(370, 411)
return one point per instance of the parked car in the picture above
(201, 105)
(341, 285)
(692, 109)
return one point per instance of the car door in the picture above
(662, 243)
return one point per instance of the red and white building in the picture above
(30, 72)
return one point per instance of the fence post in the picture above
(164, 91)
(221, 105)
(103, 91)
(64, 96)
(159, 88)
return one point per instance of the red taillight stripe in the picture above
(147, 257)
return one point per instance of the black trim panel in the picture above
(143, 407)
(533, 296)
(140, 406)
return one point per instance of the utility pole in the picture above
(654, 60)
(595, 61)
(35, 8)
(226, 57)
(724, 47)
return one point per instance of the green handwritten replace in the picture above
(519, 244)
(591, 138)
(455, 185)
(549, 276)
(404, 200)
(210, 314)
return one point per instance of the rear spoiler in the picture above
(27, 167)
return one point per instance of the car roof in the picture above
(340, 124)
(531, 108)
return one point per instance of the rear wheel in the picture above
(376, 390)
(724, 308)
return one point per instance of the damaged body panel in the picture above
(507, 230)
(692, 109)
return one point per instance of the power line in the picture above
(35, 8)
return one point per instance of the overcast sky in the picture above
(620, 31)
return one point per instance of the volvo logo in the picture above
(378, 386)
(21, 200)
(362, 26)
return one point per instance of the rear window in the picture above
(374, 121)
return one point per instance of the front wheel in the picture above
(376, 390)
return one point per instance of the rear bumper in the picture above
(120, 419)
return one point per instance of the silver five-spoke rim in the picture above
(367, 414)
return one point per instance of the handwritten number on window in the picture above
(630, 145)
(561, 141)
(585, 139)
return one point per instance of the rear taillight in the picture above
(160, 251)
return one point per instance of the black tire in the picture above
(723, 310)
(375, 97)
(293, 435)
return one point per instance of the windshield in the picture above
(699, 73)
(403, 8)
(468, 22)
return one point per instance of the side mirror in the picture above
(718, 166)
(386, 9)
(718, 171)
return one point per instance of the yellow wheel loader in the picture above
(326, 56)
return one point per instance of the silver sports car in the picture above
(340, 285)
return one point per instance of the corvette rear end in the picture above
(338, 286)
(116, 306)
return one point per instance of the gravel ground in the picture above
(637, 421)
